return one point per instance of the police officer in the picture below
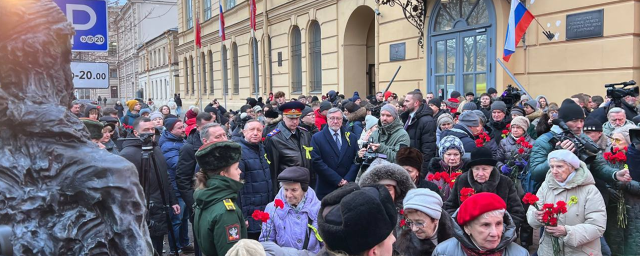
(289, 144)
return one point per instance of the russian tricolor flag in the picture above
(221, 29)
(519, 20)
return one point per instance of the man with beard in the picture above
(420, 125)
(390, 137)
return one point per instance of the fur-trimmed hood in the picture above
(534, 115)
(275, 120)
(389, 171)
(359, 115)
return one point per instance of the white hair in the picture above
(615, 110)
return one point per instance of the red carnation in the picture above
(403, 223)
(531, 199)
(401, 212)
(260, 216)
(278, 203)
(521, 151)
(465, 193)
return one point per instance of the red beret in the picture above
(477, 205)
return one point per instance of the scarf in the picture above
(451, 168)
(470, 252)
(564, 184)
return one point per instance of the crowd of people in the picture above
(389, 174)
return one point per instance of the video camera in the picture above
(511, 96)
(616, 94)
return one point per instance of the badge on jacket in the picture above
(233, 233)
(229, 204)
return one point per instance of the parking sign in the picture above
(89, 18)
(90, 75)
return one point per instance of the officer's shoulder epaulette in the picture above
(274, 132)
(229, 205)
(302, 128)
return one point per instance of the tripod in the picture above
(147, 164)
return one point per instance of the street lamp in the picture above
(415, 11)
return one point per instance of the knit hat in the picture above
(492, 91)
(455, 94)
(257, 108)
(387, 94)
(307, 110)
(523, 122)
(470, 94)
(94, 128)
(252, 102)
(444, 119)
(436, 102)
(271, 114)
(499, 105)
(525, 97)
(409, 156)
(325, 105)
(296, 174)
(356, 96)
(247, 247)
(480, 116)
(450, 142)
(351, 107)
(145, 111)
(565, 155)
(481, 156)
(370, 121)
(131, 104)
(391, 109)
(215, 156)
(479, 204)
(210, 109)
(592, 125)
(191, 114)
(469, 106)
(170, 123)
(354, 219)
(570, 111)
(533, 104)
(469, 119)
(517, 111)
(155, 115)
(424, 200)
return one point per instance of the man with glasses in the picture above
(333, 152)
(289, 144)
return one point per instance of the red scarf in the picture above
(469, 252)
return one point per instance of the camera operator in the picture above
(390, 136)
(573, 115)
(132, 151)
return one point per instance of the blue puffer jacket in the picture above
(257, 191)
(170, 146)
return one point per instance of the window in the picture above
(315, 58)
(193, 76)
(189, 14)
(254, 65)
(186, 76)
(210, 72)
(113, 73)
(296, 61)
(225, 76)
(236, 76)
(203, 73)
(230, 4)
(207, 9)
(113, 49)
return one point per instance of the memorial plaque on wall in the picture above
(397, 52)
(585, 24)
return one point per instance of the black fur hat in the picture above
(215, 156)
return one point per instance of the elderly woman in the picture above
(427, 224)
(295, 224)
(450, 150)
(445, 122)
(584, 223)
(482, 226)
(483, 176)
(509, 147)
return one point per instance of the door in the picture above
(371, 76)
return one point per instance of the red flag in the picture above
(198, 41)
(253, 12)
(221, 32)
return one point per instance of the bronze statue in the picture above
(59, 193)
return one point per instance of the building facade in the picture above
(137, 22)
(311, 47)
(158, 70)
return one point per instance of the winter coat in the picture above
(507, 246)
(435, 166)
(625, 241)
(120, 110)
(110, 146)
(127, 121)
(272, 249)
(508, 148)
(156, 218)
(218, 222)
(486, 111)
(354, 122)
(187, 168)
(391, 138)
(497, 128)
(608, 128)
(534, 118)
(191, 126)
(288, 227)
(422, 132)
(408, 243)
(497, 183)
(284, 149)
(270, 126)
(585, 221)
(257, 191)
(600, 114)
(321, 120)
(333, 164)
(464, 134)
(311, 128)
(538, 164)
(170, 146)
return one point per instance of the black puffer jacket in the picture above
(496, 128)
(156, 219)
(187, 168)
(409, 244)
(422, 132)
(462, 133)
(497, 183)
(257, 191)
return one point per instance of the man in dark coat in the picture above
(467, 123)
(420, 125)
(355, 116)
(333, 152)
(156, 216)
(257, 191)
(289, 144)
(498, 121)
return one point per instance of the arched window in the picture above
(254, 66)
(186, 76)
(210, 73)
(236, 76)
(462, 42)
(315, 58)
(225, 72)
(193, 76)
(296, 61)
(203, 73)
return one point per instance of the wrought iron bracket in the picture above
(415, 11)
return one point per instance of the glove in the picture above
(613, 194)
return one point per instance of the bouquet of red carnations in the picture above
(446, 178)
(550, 214)
(618, 158)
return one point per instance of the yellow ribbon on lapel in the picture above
(315, 231)
(308, 149)
(346, 134)
(265, 157)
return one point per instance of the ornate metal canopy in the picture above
(415, 11)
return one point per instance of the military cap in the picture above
(292, 109)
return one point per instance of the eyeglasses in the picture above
(614, 140)
(335, 118)
(416, 224)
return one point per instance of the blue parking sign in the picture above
(89, 19)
